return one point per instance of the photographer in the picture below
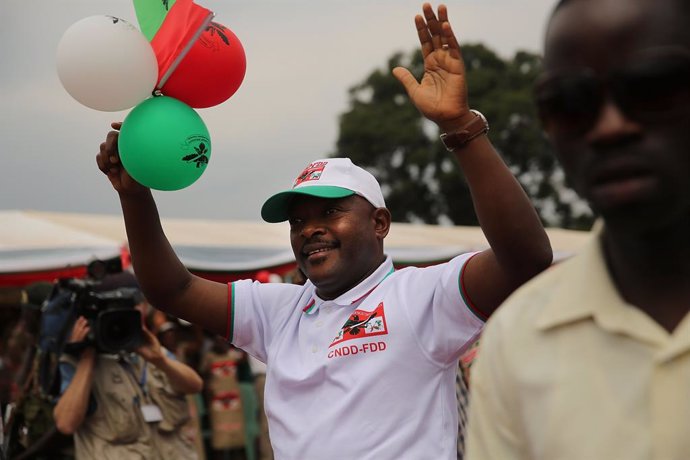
(124, 405)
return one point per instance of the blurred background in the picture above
(303, 58)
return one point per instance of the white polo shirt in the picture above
(369, 375)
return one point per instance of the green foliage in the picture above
(385, 133)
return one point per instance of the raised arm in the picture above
(519, 246)
(165, 281)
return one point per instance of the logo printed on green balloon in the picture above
(200, 155)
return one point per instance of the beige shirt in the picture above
(568, 370)
(117, 429)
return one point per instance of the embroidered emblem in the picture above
(362, 324)
(311, 172)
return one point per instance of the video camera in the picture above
(114, 323)
(107, 299)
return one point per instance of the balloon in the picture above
(212, 70)
(105, 63)
(164, 144)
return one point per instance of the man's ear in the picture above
(382, 222)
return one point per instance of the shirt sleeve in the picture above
(439, 311)
(257, 312)
(494, 414)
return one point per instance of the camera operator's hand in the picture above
(78, 341)
(108, 160)
(151, 349)
(183, 378)
(80, 330)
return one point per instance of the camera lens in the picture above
(118, 330)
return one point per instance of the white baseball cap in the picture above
(327, 178)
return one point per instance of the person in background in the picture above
(591, 359)
(167, 330)
(232, 412)
(129, 405)
(346, 350)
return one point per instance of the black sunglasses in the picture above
(649, 90)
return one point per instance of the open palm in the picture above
(441, 95)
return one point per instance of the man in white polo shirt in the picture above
(361, 359)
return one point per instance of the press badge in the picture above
(151, 413)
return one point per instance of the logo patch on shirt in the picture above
(311, 172)
(362, 324)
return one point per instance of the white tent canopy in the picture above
(33, 240)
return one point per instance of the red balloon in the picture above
(212, 70)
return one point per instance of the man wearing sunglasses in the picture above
(591, 359)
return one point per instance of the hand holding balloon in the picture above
(108, 160)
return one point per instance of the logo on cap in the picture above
(311, 172)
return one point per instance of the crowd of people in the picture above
(208, 392)
(588, 359)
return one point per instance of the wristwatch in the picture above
(458, 139)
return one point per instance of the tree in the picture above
(384, 132)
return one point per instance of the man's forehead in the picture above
(608, 30)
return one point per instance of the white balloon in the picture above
(106, 63)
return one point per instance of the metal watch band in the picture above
(458, 139)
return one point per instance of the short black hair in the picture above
(684, 6)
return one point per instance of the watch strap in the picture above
(458, 139)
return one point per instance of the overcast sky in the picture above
(302, 56)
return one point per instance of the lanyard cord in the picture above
(141, 381)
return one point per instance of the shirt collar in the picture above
(355, 294)
(585, 289)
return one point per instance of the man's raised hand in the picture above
(441, 95)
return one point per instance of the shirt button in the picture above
(314, 349)
(319, 323)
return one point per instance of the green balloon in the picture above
(164, 144)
